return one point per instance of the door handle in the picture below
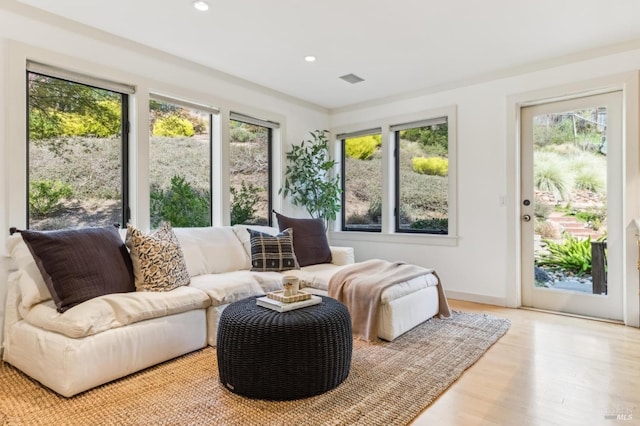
(526, 218)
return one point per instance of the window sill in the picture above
(397, 238)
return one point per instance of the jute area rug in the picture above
(389, 384)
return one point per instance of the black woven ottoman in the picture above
(284, 355)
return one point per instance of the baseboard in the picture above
(477, 298)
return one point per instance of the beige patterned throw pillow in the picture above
(158, 262)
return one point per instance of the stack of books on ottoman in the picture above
(277, 301)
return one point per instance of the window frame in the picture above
(270, 126)
(388, 233)
(395, 132)
(342, 137)
(212, 112)
(121, 89)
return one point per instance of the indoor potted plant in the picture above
(309, 179)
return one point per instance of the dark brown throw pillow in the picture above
(80, 264)
(309, 239)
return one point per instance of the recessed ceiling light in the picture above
(310, 58)
(201, 5)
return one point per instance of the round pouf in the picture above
(274, 355)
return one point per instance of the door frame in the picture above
(629, 84)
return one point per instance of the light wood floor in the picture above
(547, 370)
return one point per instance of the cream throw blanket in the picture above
(360, 286)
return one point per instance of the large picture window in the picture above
(422, 170)
(250, 145)
(180, 162)
(77, 150)
(361, 180)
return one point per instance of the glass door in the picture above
(571, 205)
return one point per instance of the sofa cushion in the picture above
(230, 287)
(212, 250)
(33, 289)
(80, 264)
(114, 310)
(272, 253)
(158, 262)
(309, 239)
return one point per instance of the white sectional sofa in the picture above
(113, 335)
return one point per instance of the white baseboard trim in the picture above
(478, 298)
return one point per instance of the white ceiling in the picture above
(398, 47)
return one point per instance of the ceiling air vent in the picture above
(352, 78)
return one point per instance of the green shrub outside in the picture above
(43, 125)
(559, 173)
(103, 122)
(550, 175)
(430, 137)
(59, 108)
(363, 147)
(243, 203)
(181, 205)
(173, 126)
(558, 134)
(572, 254)
(45, 196)
(374, 211)
(594, 217)
(589, 172)
(245, 132)
(240, 134)
(433, 166)
(589, 180)
(434, 225)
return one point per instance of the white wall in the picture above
(29, 34)
(483, 266)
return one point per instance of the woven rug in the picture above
(390, 383)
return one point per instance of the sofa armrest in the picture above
(342, 255)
